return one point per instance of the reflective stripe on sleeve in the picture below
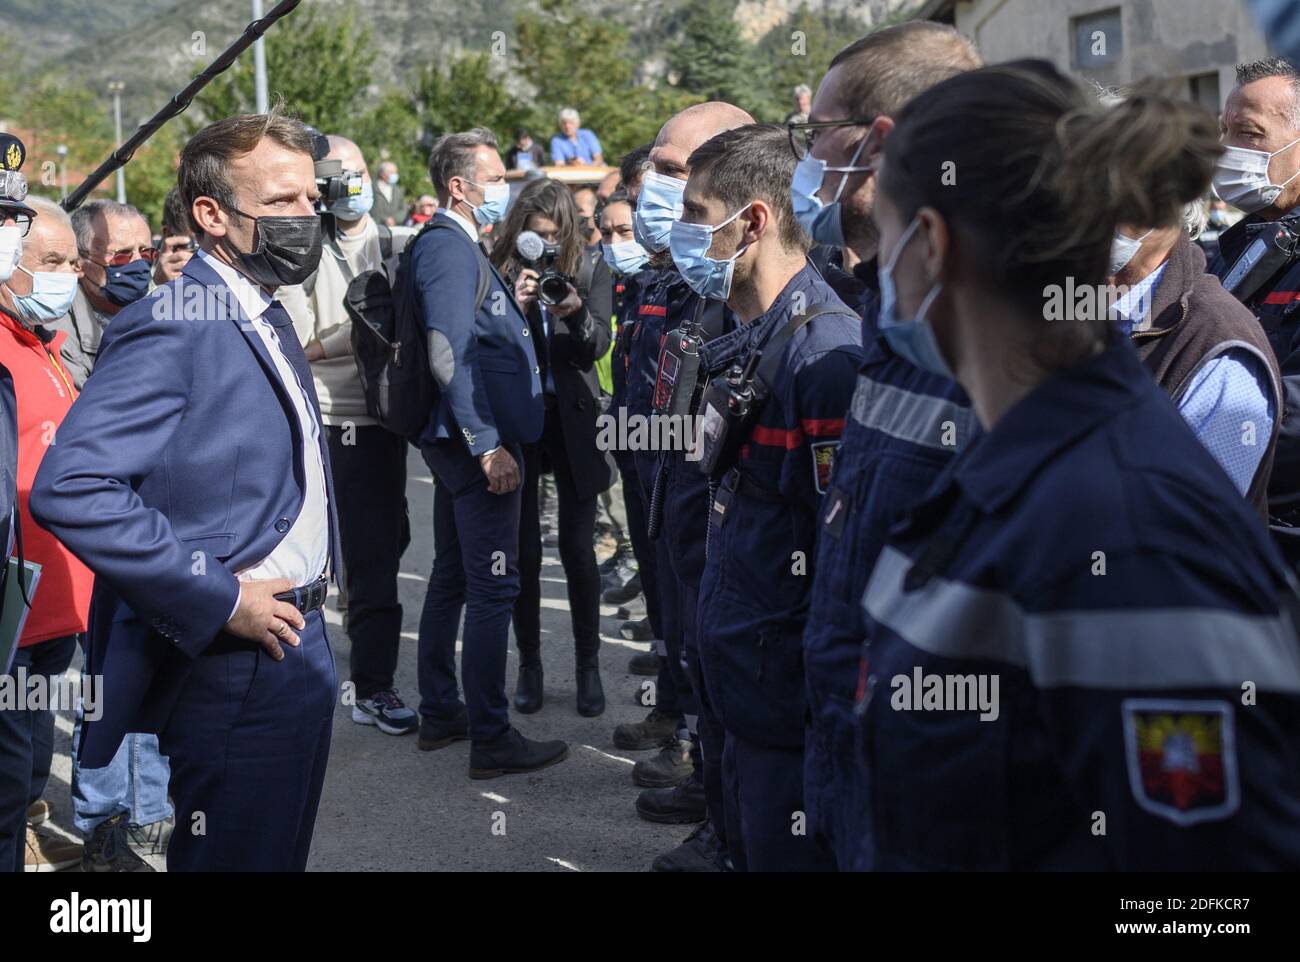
(916, 418)
(1115, 648)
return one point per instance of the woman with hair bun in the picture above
(1062, 671)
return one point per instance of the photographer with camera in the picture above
(567, 297)
(367, 461)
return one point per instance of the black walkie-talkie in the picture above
(679, 366)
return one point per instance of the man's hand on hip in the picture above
(501, 471)
(262, 619)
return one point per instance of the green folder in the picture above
(14, 614)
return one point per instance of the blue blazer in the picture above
(178, 465)
(484, 366)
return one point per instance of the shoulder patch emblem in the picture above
(823, 456)
(1182, 758)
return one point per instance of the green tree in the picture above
(711, 59)
(55, 112)
(575, 59)
(319, 65)
(798, 51)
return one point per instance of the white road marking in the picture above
(494, 797)
(617, 758)
(560, 861)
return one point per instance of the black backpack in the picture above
(389, 341)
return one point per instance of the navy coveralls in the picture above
(904, 425)
(756, 580)
(1061, 671)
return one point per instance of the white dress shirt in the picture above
(301, 556)
(468, 226)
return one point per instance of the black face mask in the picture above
(288, 249)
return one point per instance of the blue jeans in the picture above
(135, 781)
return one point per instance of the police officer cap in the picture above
(13, 185)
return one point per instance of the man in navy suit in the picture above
(489, 403)
(192, 477)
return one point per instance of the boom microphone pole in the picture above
(177, 104)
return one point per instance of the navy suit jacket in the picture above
(484, 365)
(178, 465)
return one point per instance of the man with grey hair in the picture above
(1259, 173)
(575, 144)
(802, 105)
(488, 403)
(117, 256)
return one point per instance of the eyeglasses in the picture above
(123, 257)
(803, 135)
(22, 221)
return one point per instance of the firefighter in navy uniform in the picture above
(678, 493)
(1060, 671)
(771, 415)
(1259, 257)
(904, 424)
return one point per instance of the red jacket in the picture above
(44, 392)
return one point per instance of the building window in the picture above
(1098, 39)
(1204, 89)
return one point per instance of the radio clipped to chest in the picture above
(679, 367)
(733, 403)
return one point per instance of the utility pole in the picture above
(62, 151)
(115, 87)
(259, 65)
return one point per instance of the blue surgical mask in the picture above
(392, 179)
(126, 284)
(706, 276)
(51, 296)
(625, 257)
(822, 222)
(657, 207)
(910, 338)
(496, 197)
(355, 206)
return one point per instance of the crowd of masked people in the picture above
(970, 543)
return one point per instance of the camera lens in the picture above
(551, 289)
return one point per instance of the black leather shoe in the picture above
(644, 663)
(700, 852)
(620, 595)
(591, 695)
(528, 690)
(513, 754)
(673, 806)
(435, 733)
(670, 766)
(641, 736)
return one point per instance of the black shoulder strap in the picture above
(774, 348)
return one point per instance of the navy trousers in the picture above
(27, 746)
(475, 568)
(248, 743)
(635, 503)
(764, 799)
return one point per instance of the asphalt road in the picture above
(388, 806)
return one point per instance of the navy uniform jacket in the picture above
(1147, 708)
(484, 364)
(757, 576)
(177, 466)
(903, 427)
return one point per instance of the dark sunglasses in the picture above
(122, 258)
(803, 135)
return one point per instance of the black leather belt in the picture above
(307, 598)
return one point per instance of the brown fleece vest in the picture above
(1194, 320)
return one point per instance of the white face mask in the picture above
(1241, 178)
(11, 251)
(1123, 250)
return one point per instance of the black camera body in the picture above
(552, 284)
(334, 183)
